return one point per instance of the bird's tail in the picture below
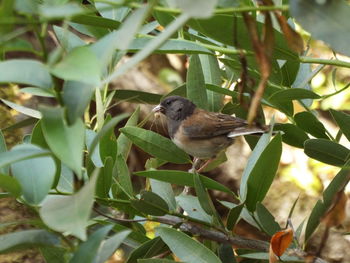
(248, 131)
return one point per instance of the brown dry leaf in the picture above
(294, 40)
(281, 241)
(336, 215)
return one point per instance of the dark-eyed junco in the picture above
(200, 133)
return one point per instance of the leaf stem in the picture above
(333, 62)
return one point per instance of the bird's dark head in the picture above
(175, 108)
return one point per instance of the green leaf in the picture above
(196, 91)
(182, 178)
(325, 21)
(165, 191)
(149, 248)
(293, 94)
(124, 144)
(109, 246)
(106, 129)
(326, 151)
(266, 220)
(155, 260)
(87, 250)
(25, 71)
(202, 195)
(66, 142)
(292, 134)
(212, 75)
(343, 121)
(226, 254)
(48, 93)
(26, 111)
(262, 175)
(21, 152)
(76, 97)
(60, 11)
(11, 185)
(67, 39)
(253, 159)
(137, 96)
(37, 181)
(190, 204)
(155, 144)
(97, 25)
(54, 254)
(337, 184)
(309, 123)
(80, 64)
(122, 175)
(95, 155)
(197, 9)
(104, 180)
(176, 46)
(150, 204)
(3, 148)
(186, 248)
(70, 214)
(233, 216)
(27, 238)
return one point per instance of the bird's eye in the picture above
(168, 102)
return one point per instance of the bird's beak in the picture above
(158, 108)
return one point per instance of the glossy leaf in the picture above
(292, 134)
(266, 220)
(25, 71)
(202, 194)
(104, 180)
(253, 159)
(76, 97)
(177, 46)
(122, 175)
(165, 191)
(315, 17)
(3, 148)
(137, 96)
(198, 9)
(37, 181)
(155, 144)
(149, 248)
(196, 91)
(70, 68)
(21, 152)
(11, 185)
(60, 11)
(343, 121)
(151, 204)
(233, 216)
(110, 245)
(106, 129)
(310, 124)
(70, 214)
(293, 94)
(48, 93)
(22, 109)
(261, 176)
(27, 238)
(66, 142)
(190, 204)
(67, 39)
(212, 75)
(326, 151)
(124, 144)
(182, 178)
(186, 248)
(321, 207)
(86, 252)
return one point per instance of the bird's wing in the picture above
(203, 124)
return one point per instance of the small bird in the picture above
(201, 133)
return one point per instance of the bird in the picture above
(200, 133)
